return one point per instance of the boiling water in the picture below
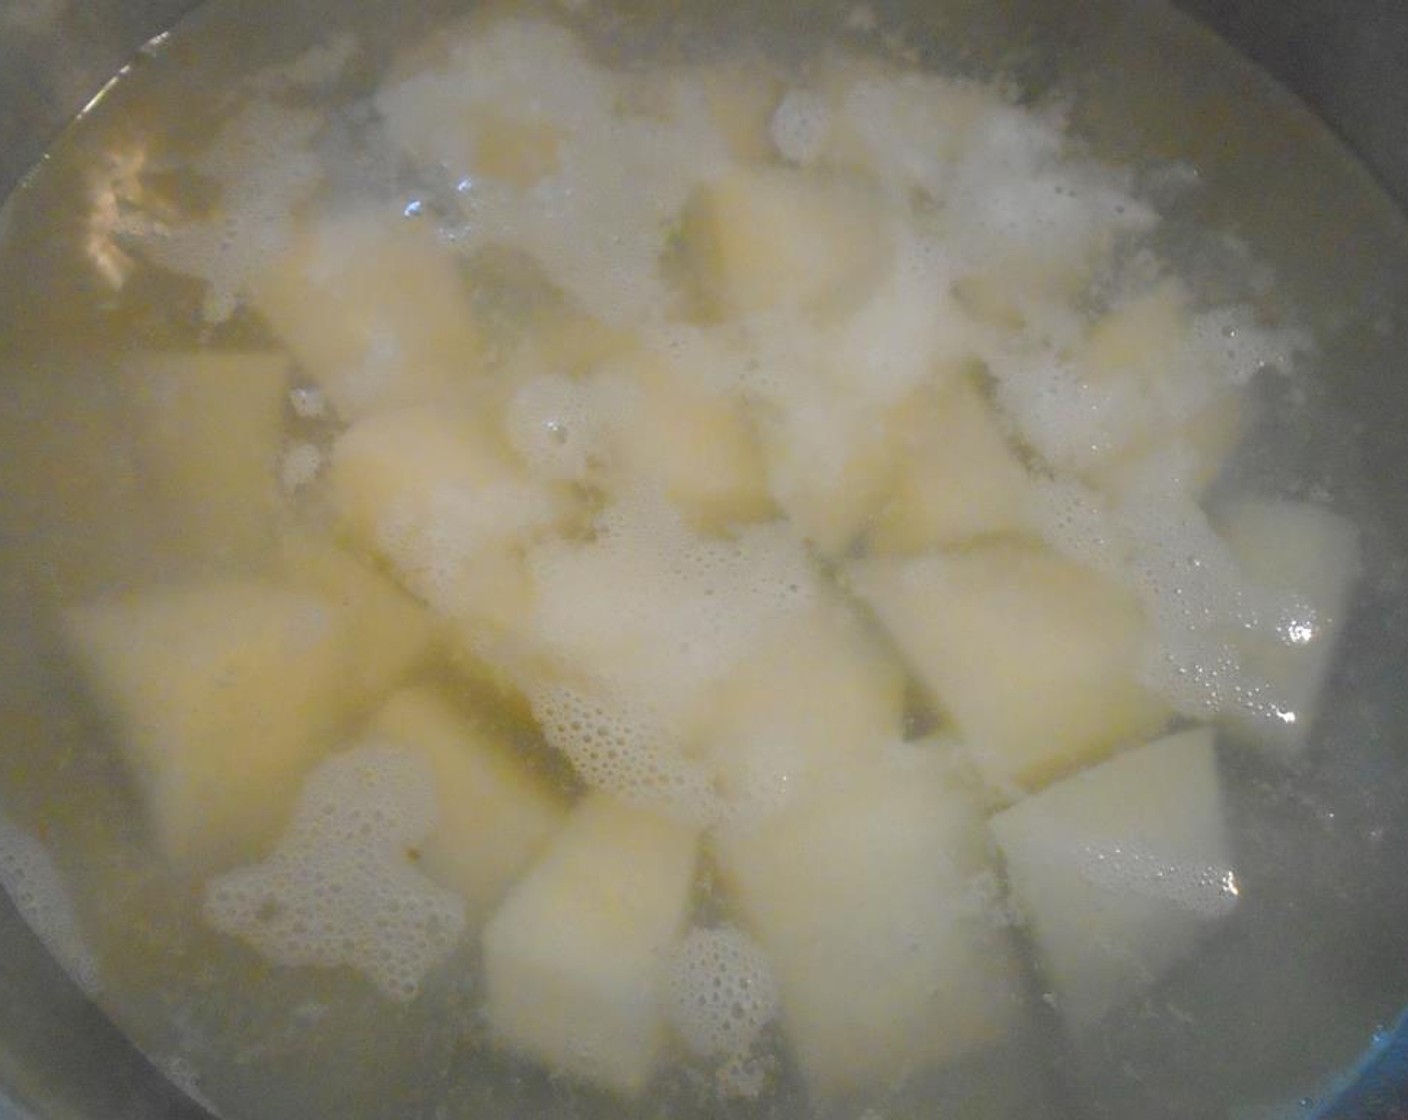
(96, 268)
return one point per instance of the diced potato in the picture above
(374, 310)
(442, 499)
(691, 439)
(1138, 338)
(830, 462)
(1189, 457)
(877, 113)
(576, 957)
(817, 696)
(1120, 869)
(207, 429)
(741, 98)
(870, 900)
(656, 611)
(494, 814)
(569, 341)
(519, 150)
(387, 631)
(1034, 656)
(1158, 409)
(222, 695)
(773, 238)
(1305, 559)
(959, 479)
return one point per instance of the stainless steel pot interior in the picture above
(1348, 59)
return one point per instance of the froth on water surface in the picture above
(624, 389)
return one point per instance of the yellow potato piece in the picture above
(1188, 457)
(373, 308)
(831, 461)
(816, 696)
(207, 429)
(494, 813)
(959, 479)
(741, 98)
(1120, 869)
(869, 901)
(222, 695)
(515, 150)
(576, 957)
(693, 440)
(1034, 656)
(386, 629)
(1305, 559)
(437, 494)
(773, 238)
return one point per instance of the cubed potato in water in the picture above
(1146, 401)
(207, 429)
(694, 440)
(1186, 458)
(438, 494)
(831, 461)
(1119, 870)
(1304, 559)
(575, 960)
(1035, 657)
(741, 98)
(959, 479)
(817, 696)
(872, 901)
(494, 814)
(375, 311)
(223, 694)
(386, 630)
(760, 239)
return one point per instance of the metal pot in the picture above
(1348, 59)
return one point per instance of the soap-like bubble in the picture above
(721, 992)
(342, 888)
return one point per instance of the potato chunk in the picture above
(816, 696)
(959, 479)
(1305, 560)
(691, 438)
(443, 500)
(223, 694)
(1034, 656)
(771, 238)
(1119, 869)
(494, 814)
(575, 959)
(374, 309)
(869, 900)
(207, 429)
(831, 461)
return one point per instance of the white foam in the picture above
(447, 542)
(1206, 890)
(1159, 543)
(635, 626)
(622, 746)
(559, 425)
(308, 402)
(342, 888)
(598, 222)
(720, 992)
(800, 126)
(30, 877)
(299, 467)
(265, 167)
(910, 126)
(653, 609)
